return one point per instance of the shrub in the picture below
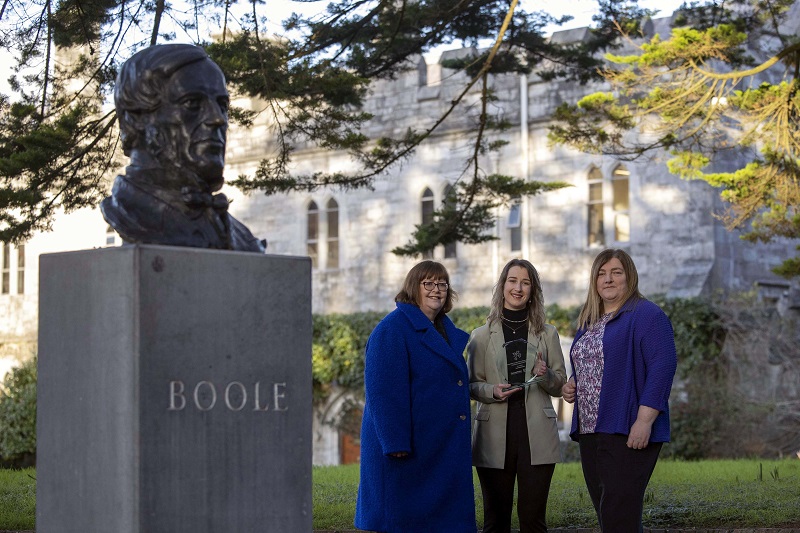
(565, 319)
(469, 318)
(18, 417)
(337, 351)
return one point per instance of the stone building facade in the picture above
(667, 225)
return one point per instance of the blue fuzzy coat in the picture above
(417, 401)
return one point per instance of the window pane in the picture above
(333, 224)
(111, 236)
(516, 239)
(312, 253)
(621, 171)
(6, 285)
(514, 216)
(313, 225)
(596, 224)
(333, 254)
(595, 192)
(332, 218)
(595, 174)
(515, 226)
(449, 201)
(622, 227)
(312, 235)
(621, 196)
(21, 269)
(427, 206)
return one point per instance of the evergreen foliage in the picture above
(717, 411)
(714, 413)
(57, 144)
(723, 85)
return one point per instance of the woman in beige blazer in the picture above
(515, 365)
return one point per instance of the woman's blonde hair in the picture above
(593, 307)
(411, 293)
(535, 305)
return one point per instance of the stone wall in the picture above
(679, 246)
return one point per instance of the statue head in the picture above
(172, 107)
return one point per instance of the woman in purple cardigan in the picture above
(624, 361)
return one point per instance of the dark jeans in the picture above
(533, 482)
(617, 478)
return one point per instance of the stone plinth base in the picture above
(174, 392)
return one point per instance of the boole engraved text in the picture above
(234, 396)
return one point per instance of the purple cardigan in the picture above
(639, 365)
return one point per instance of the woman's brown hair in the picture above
(593, 307)
(411, 293)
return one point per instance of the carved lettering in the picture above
(256, 406)
(213, 402)
(235, 396)
(279, 393)
(243, 394)
(176, 389)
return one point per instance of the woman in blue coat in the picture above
(624, 359)
(416, 463)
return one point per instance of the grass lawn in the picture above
(744, 493)
(741, 493)
(17, 498)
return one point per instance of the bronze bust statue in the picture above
(172, 107)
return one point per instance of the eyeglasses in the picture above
(441, 285)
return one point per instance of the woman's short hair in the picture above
(411, 293)
(140, 84)
(593, 307)
(535, 304)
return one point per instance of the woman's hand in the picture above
(540, 368)
(501, 391)
(639, 436)
(568, 391)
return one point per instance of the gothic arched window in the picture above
(449, 201)
(620, 185)
(594, 208)
(332, 216)
(312, 234)
(427, 214)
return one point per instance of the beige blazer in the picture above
(488, 366)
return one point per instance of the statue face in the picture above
(189, 129)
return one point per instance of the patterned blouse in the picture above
(587, 355)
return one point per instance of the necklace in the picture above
(507, 323)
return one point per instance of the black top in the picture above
(515, 328)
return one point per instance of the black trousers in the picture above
(533, 482)
(617, 478)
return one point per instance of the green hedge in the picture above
(18, 417)
(339, 339)
(705, 413)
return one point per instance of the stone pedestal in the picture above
(174, 392)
